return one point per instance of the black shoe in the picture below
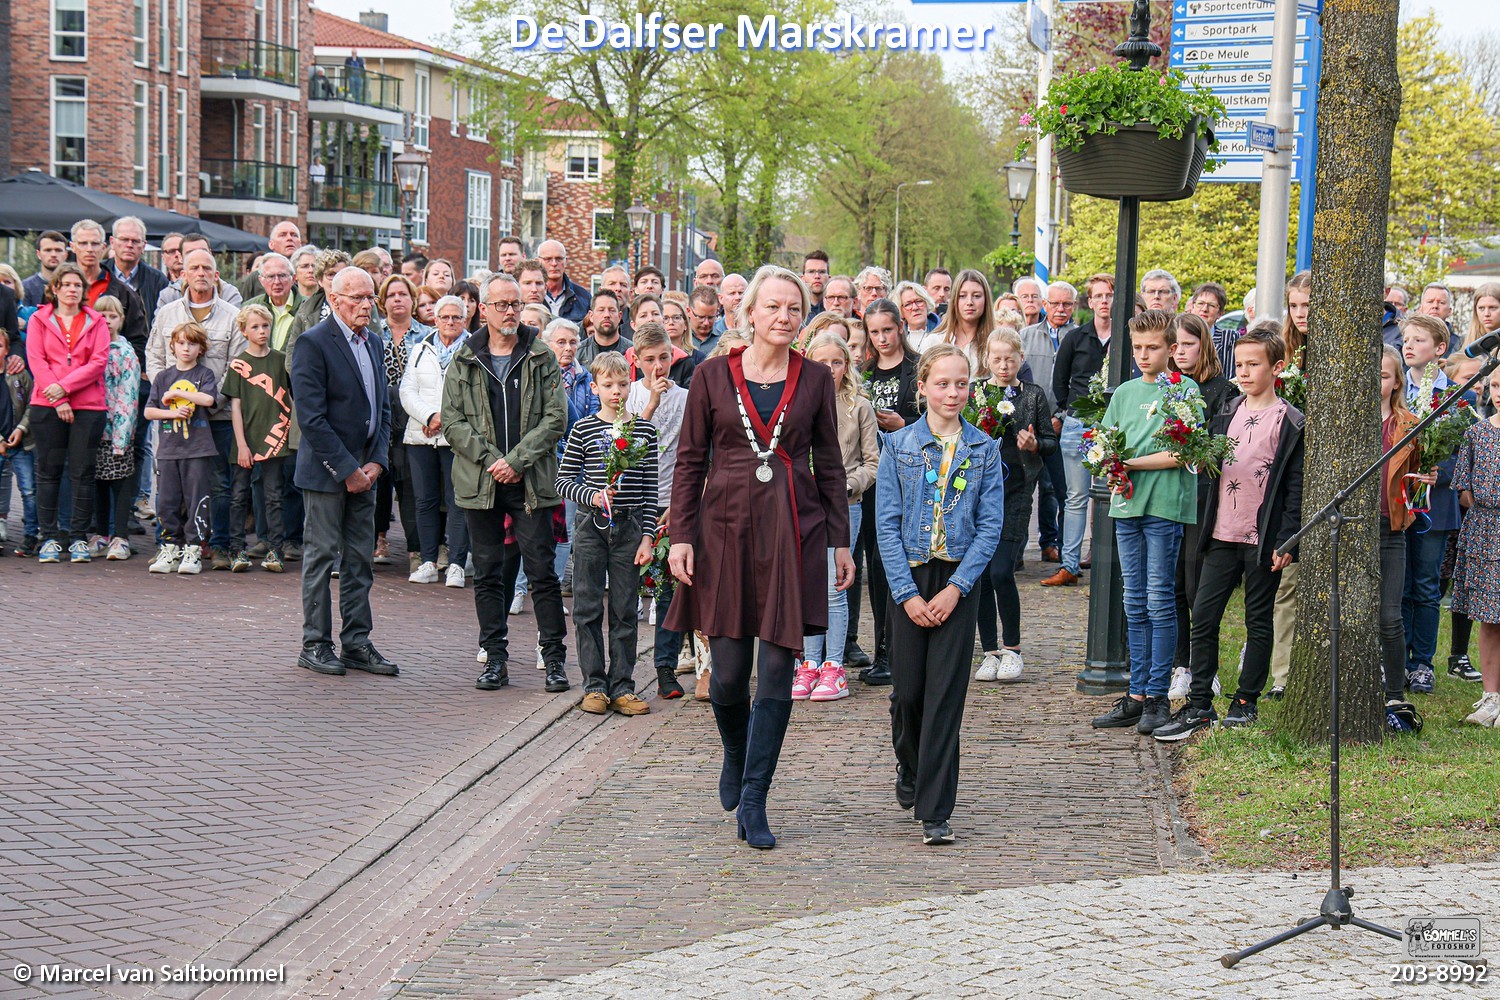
(876, 675)
(320, 658)
(1276, 693)
(734, 730)
(1242, 712)
(218, 559)
(937, 833)
(27, 548)
(906, 788)
(494, 678)
(854, 656)
(1155, 713)
(1185, 723)
(1126, 712)
(1460, 667)
(557, 679)
(666, 683)
(368, 659)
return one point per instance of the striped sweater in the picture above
(580, 474)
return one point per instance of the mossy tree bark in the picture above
(1358, 108)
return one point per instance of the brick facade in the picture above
(452, 159)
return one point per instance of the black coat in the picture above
(1280, 514)
(137, 327)
(148, 284)
(333, 411)
(10, 319)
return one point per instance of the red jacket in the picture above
(81, 374)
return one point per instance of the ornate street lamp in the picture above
(409, 167)
(639, 217)
(1018, 177)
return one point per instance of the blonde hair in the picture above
(1005, 335)
(253, 309)
(110, 304)
(610, 363)
(728, 341)
(11, 278)
(1488, 290)
(1209, 367)
(1398, 394)
(767, 272)
(820, 323)
(1430, 325)
(938, 352)
(848, 386)
(1009, 317)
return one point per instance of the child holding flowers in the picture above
(1016, 414)
(609, 470)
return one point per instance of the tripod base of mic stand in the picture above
(1335, 912)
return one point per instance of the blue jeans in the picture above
(1148, 563)
(1422, 594)
(565, 549)
(1076, 507)
(21, 465)
(220, 486)
(830, 647)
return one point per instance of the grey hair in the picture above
(451, 300)
(342, 280)
(1440, 286)
(484, 289)
(127, 220)
(271, 257)
(560, 324)
(1072, 292)
(1041, 286)
(878, 272)
(85, 225)
(911, 286)
(305, 250)
(767, 272)
(1248, 302)
(1157, 275)
(616, 267)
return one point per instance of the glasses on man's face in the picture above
(836, 297)
(359, 299)
(287, 276)
(127, 241)
(552, 260)
(815, 274)
(504, 305)
(879, 289)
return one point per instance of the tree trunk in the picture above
(731, 245)
(1357, 112)
(625, 154)
(761, 246)
(866, 230)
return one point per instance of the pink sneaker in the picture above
(806, 677)
(832, 684)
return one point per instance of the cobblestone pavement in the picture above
(1157, 936)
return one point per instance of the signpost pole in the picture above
(1308, 169)
(1276, 175)
(1042, 262)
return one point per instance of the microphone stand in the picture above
(1336, 911)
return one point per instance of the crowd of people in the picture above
(738, 463)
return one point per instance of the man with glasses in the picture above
(838, 296)
(815, 275)
(708, 272)
(1029, 292)
(872, 283)
(285, 239)
(564, 296)
(171, 255)
(504, 412)
(88, 251)
(1041, 341)
(703, 312)
(344, 412)
(127, 246)
(1161, 290)
(280, 295)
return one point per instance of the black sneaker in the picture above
(1185, 723)
(906, 788)
(937, 833)
(1241, 713)
(28, 547)
(1155, 713)
(1460, 667)
(1127, 712)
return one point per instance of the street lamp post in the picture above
(896, 237)
(1018, 177)
(639, 216)
(409, 166)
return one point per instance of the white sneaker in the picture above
(1217, 690)
(1010, 667)
(541, 664)
(651, 612)
(483, 657)
(987, 667)
(119, 549)
(518, 603)
(1182, 684)
(4, 531)
(1486, 711)
(192, 561)
(426, 573)
(455, 576)
(167, 558)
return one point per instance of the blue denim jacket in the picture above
(903, 506)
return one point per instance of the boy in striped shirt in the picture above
(612, 535)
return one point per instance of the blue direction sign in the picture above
(1262, 136)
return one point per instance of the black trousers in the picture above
(183, 490)
(538, 550)
(880, 591)
(75, 445)
(605, 558)
(1223, 565)
(1189, 568)
(1392, 626)
(929, 681)
(998, 594)
(271, 470)
(398, 486)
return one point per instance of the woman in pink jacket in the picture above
(67, 345)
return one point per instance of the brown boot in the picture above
(700, 690)
(1062, 578)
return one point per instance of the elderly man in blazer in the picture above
(343, 411)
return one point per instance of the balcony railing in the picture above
(336, 82)
(249, 59)
(354, 194)
(250, 180)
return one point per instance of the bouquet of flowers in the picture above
(655, 577)
(1440, 439)
(1104, 454)
(990, 409)
(1291, 385)
(1090, 409)
(622, 453)
(1183, 431)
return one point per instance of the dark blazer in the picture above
(1280, 514)
(333, 411)
(137, 329)
(149, 284)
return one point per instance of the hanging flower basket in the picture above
(1135, 161)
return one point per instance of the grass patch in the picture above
(1256, 799)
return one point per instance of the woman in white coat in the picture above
(427, 451)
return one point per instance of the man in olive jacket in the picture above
(504, 411)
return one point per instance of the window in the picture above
(278, 136)
(70, 25)
(163, 36)
(422, 117)
(163, 142)
(140, 33)
(583, 161)
(296, 24)
(507, 138)
(258, 132)
(507, 197)
(291, 159)
(478, 119)
(182, 142)
(478, 243)
(182, 36)
(419, 212)
(70, 115)
(604, 220)
(140, 107)
(453, 117)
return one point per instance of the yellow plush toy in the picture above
(183, 385)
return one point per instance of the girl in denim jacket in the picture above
(940, 503)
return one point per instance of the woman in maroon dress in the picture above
(751, 519)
